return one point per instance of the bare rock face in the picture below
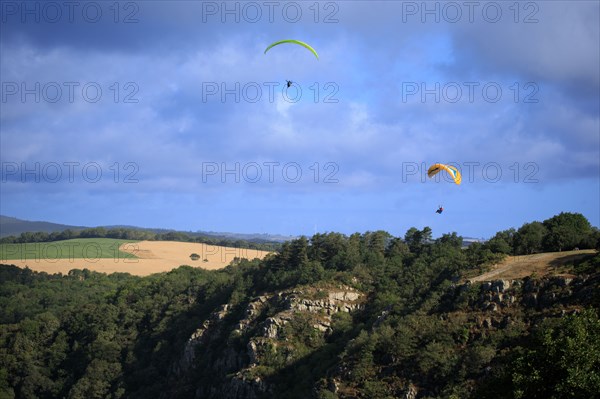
(253, 310)
(500, 285)
(497, 294)
(188, 352)
(344, 296)
(197, 338)
(340, 301)
(264, 318)
(411, 392)
(241, 386)
(271, 326)
(256, 347)
(296, 301)
(539, 293)
(563, 281)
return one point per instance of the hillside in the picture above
(544, 264)
(10, 226)
(350, 317)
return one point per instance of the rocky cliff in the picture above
(244, 344)
(261, 327)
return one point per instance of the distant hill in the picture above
(470, 240)
(256, 237)
(253, 237)
(10, 226)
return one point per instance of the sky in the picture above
(170, 114)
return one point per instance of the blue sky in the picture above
(168, 114)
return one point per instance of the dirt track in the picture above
(153, 257)
(515, 267)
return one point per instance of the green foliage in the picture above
(588, 265)
(416, 239)
(477, 357)
(452, 240)
(480, 256)
(502, 242)
(566, 231)
(529, 237)
(96, 335)
(562, 360)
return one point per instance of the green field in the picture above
(79, 248)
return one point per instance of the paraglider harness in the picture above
(440, 210)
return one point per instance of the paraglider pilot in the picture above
(440, 210)
(289, 83)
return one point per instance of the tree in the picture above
(329, 250)
(592, 240)
(502, 242)
(299, 253)
(93, 233)
(68, 234)
(453, 240)
(397, 248)
(374, 245)
(377, 241)
(310, 272)
(566, 231)
(564, 361)
(529, 237)
(416, 238)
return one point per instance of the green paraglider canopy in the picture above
(312, 50)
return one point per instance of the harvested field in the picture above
(150, 257)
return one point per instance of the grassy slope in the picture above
(515, 267)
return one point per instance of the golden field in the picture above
(151, 257)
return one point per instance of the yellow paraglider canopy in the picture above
(452, 171)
